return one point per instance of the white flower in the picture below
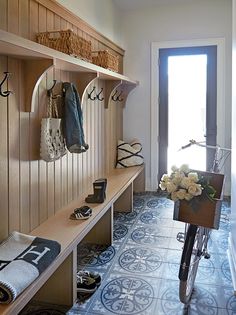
(162, 185)
(181, 184)
(171, 187)
(174, 168)
(195, 189)
(174, 196)
(184, 168)
(181, 193)
(193, 176)
(177, 178)
(186, 182)
(165, 178)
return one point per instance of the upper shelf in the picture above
(19, 47)
(41, 58)
(15, 46)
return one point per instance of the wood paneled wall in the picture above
(31, 190)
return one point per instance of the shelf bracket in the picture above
(34, 70)
(111, 86)
(126, 88)
(83, 81)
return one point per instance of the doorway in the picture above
(187, 105)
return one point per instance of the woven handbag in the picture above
(52, 142)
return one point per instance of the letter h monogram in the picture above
(38, 254)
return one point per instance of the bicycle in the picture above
(195, 238)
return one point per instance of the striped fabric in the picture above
(129, 154)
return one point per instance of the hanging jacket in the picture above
(73, 120)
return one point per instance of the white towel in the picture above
(22, 259)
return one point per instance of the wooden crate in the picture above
(205, 211)
(106, 59)
(67, 42)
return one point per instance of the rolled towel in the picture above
(22, 259)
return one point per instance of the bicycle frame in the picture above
(195, 239)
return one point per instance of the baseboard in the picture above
(231, 252)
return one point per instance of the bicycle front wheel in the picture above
(192, 252)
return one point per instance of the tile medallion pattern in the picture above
(127, 295)
(140, 270)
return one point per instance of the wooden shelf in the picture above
(40, 58)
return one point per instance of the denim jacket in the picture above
(73, 120)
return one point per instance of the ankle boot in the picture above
(99, 191)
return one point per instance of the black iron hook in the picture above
(5, 93)
(49, 91)
(119, 99)
(102, 98)
(113, 96)
(90, 94)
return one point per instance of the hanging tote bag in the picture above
(52, 142)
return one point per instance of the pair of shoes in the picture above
(81, 213)
(99, 191)
(87, 281)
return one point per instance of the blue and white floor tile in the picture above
(140, 270)
(143, 276)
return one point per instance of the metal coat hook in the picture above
(90, 94)
(118, 97)
(49, 91)
(5, 93)
(113, 96)
(98, 95)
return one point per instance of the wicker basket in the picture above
(106, 59)
(207, 212)
(67, 42)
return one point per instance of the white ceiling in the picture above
(139, 4)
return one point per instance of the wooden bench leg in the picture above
(61, 286)
(139, 182)
(102, 232)
(125, 202)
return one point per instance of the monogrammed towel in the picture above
(22, 259)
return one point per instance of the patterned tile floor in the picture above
(140, 270)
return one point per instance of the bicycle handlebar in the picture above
(201, 144)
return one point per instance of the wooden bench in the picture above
(57, 284)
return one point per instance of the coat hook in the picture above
(49, 91)
(119, 99)
(90, 94)
(113, 96)
(5, 93)
(102, 98)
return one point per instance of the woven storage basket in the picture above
(67, 42)
(207, 212)
(106, 59)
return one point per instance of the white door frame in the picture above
(220, 43)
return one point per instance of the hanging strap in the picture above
(52, 111)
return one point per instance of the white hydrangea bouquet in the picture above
(185, 184)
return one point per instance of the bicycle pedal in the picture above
(180, 237)
(207, 256)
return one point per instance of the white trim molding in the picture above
(155, 47)
(232, 260)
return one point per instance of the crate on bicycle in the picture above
(197, 195)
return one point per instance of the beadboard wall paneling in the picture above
(31, 190)
(4, 178)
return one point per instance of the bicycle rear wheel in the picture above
(191, 255)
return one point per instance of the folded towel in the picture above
(22, 259)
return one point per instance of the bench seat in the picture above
(57, 284)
